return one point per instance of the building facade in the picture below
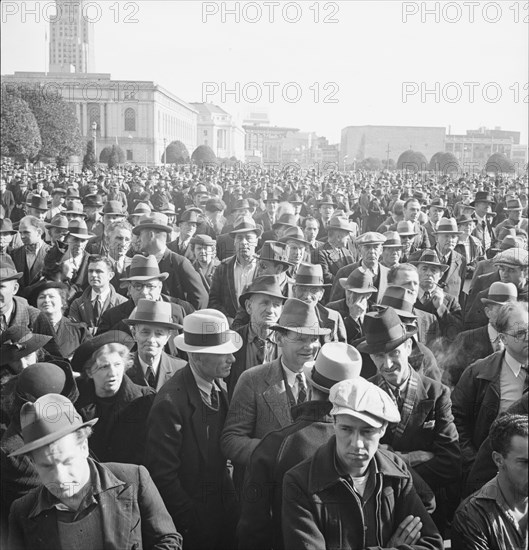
(72, 37)
(140, 116)
(217, 129)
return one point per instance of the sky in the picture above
(315, 66)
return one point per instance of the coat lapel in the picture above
(198, 412)
(275, 395)
(231, 283)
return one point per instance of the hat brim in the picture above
(163, 276)
(82, 236)
(442, 267)
(246, 295)
(74, 213)
(448, 232)
(158, 227)
(407, 234)
(8, 232)
(385, 347)
(53, 226)
(366, 417)
(284, 240)
(304, 330)
(12, 277)
(50, 438)
(36, 342)
(488, 301)
(473, 203)
(256, 230)
(368, 290)
(319, 285)
(170, 326)
(29, 205)
(307, 369)
(400, 312)
(234, 344)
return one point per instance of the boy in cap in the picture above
(352, 494)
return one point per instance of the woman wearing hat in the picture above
(205, 263)
(51, 298)
(107, 393)
(467, 245)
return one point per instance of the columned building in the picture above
(140, 116)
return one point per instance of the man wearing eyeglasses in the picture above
(491, 385)
(144, 282)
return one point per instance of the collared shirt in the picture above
(9, 313)
(252, 349)
(103, 297)
(32, 256)
(204, 387)
(291, 378)
(494, 337)
(511, 382)
(243, 275)
(375, 269)
(154, 366)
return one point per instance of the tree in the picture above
(446, 163)
(203, 154)
(58, 124)
(89, 160)
(412, 161)
(104, 156)
(20, 134)
(117, 156)
(389, 165)
(370, 164)
(498, 163)
(176, 153)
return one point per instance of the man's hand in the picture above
(437, 296)
(408, 532)
(418, 457)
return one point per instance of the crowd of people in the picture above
(247, 358)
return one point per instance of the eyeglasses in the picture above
(140, 286)
(519, 334)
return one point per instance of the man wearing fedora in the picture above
(236, 272)
(467, 245)
(491, 385)
(151, 325)
(480, 342)
(512, 266)
(81, 502)
(359, 289)
(310, 288)
(265, 394)
(37, 206)
(183, 281)
(92, 206)
(57, 229)
(391, 249)
(298, 248)
(7, 199)
(75, 260)
(432, 298)
(262, 302)
(29, 258)
(187, 225)
(267, 218)
(7, 234)
(436, 210)
(325, 206)
(260, 522)
(370, 247)
(113, 211)
(426, 436)
(513, 207)
(483, 206)
(183, 451)
(352, 493)
(56, 205)
(412, 211)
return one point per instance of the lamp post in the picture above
(164, 151)
(344, 159)
(94, 137)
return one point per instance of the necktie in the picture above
(426, 297)
(302, 393)
(31, 248)
(3, 323)
(151, 378)
(260, 345)
(398, 398)
(214, 398)
(525, 374)
(97, 310)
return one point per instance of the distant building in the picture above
(72, 38)
(383, 142)
(326, 156)
(218, 130)
(140, 116)
(263, 143)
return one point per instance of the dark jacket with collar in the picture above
(82, 310)
(332, 260)
(321, 510)
(381, 282)
(24, 315)
(239, 366)
(183, 281)
(430, 427)
(178, 460)
(119, 434)
(29, 276)
(167, 367)
(476, 403)
(451, 322)
(260, 522)
(132, 513)
(222, 295)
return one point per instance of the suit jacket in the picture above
(132, 513)
(454, 276)
(331, 319)
(183, 281)
(29, 276)
(24, 315)
(480, 232)
(82, 310)
(430, 427)
(467, 348)
(239, 366)
(263, 219)
(222, 295)
(206, 275)
(431, 233)
(188, 253)
(331, 261)
(192, 481)
(476, 252)
(168, 366)
(225, 246)
(259, 405)
(478, 284)
(381, 282)
(475, 310)
(451, 323)
(476, 403)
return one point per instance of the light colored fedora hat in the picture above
(336, 361)
(300, 317)
(501, 293)
(207, 331)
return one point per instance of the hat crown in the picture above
(113, 207)
(447, 225)
(41, 379)
(78, 226)
(245, 223)
(513, 256)
(405, 227)
(203, 240)
(274, 251)
(206, 328)
(268, 284)
(502, 292)
(144, 266)
(309, 274)
(383, 327)
(152, 312)
(294, 233)
(287, 219)
(336, 361)
(371, 237)
(429, 256)
(297, 313)
(398, 297)
(392, 239)
(359, 279)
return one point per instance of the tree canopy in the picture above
(412, 161)
(445, 163)
(176, 153)
(203, 154)
(498, 163)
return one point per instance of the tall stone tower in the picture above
(72, 37)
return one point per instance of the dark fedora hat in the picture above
(48, 419)
(464, 219)
(447, 226)
(400, 299)
(241, 204)
(85, 351)
(275, 251)
(246, 225)
(300, 317)
(294, 234)
(326, 199)
(6, 227)
(430, 257)
(17, 342)
(58, 222)
(79, 230)
(144, 268)
(93, 201)
(58, 191)
(190, 216)
(295, 198)
(384, 331)
(156, 221)
(310, 275)
(360, 281)
(8, 271)
(149, 312)
(267, 284)
(115, 208)
(392, 240)
(74, 208)
(341, 223)
(38, 202)
(482, 196)
(286, 220)
(438, 203)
